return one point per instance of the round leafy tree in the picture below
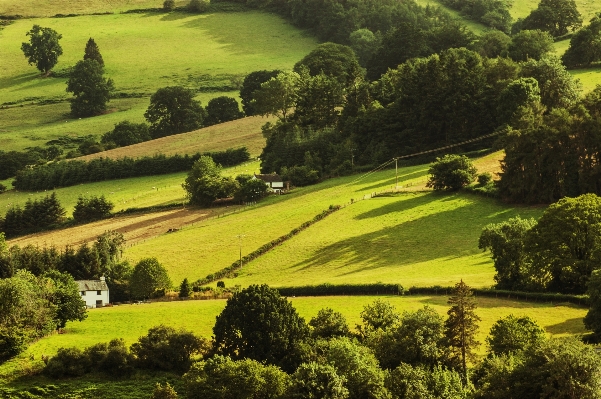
(334, 60)
(511, 334)
(222, 109)
(43, 49)
(148, 276)
(173, 110)
(257, 323)
(252, 82)
(451, 172)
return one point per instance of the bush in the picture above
(164, 348)
(300, 175)
(169, 5)
(91, 209)
(451, 172)
(13, 341)
(484, 178)
(112, 358)
(163, 392)
(222, 109)
(199, 5)
(2, 188)
(127, 133)
(220, 284)
(68, 362)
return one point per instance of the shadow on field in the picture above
(437, 228)
(31, 78)
(175, 16)
(570, 326)
(390, 182)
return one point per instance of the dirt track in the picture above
(136, 227)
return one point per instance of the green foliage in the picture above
(276, 96)
(505, 241)
(163, 392)
(259, 324)
(251, 191)
(493, 13)
(164, 348)
(565, 244)
(336, 61)
(36, 215)
(461, 327)
(2, 188)
(68, 362)
(221, 377)
(12, 161)
(418, 339)
(316, 381)
(91, 209)
(329, 324)
(92, 52)
(90, 89)
(512, 334)
(558, 88)
(205, 184)
(222, 109)
(592, 320)
(519, 94)
(252, 82)
(380, 315)
(492, 43)
(554, 16)
(69, 173)
(43, 49)
(173, 110)
(147, 277)
(199, 6)
(585, 45)
(484, 179)
(65, 296)
(355, 363)
(451, 172)
(112, 358)
(530, 44)
(127, 133)
(185, 289)
(169, 5)
(364, 43)
(220, 284)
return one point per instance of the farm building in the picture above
(95, 293)
(273, 180)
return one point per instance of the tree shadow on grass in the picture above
(26, 80)
(391, 182)
(570, 326)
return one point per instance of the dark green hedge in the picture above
(342, 289)
(70, 173)
(230, 271)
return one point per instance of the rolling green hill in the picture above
(142, 52)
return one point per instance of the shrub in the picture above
(169, 5)
(90, 209)
(13, 341)
(220, 284)
(163, 392)
(164, 348)
(68, 362)
(112, 358)
(184, 289)
(2, 188)
(451, 172)
(199, 5)
(484, 178)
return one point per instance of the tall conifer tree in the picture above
(92, 52)
(462, 325)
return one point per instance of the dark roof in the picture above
(270, 178)
(92, 285)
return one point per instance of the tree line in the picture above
(262, 348)
(69, 173)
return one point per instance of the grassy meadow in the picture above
(142, 52)
(50, 8)
(132, 321)
(135, 192)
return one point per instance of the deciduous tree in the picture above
(451, 172)
(173, 110)
(554, 16)
(512, 334)
(147, 277)
(43, 49)
(252, 82)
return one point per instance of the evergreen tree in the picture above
(462, 325)
(90, 89)
(185, 289)
(92, 52)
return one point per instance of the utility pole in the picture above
(240, 236)
(396, 174)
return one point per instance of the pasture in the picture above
(135, 192)
(142, 52)
(50, 8)
(132, 321)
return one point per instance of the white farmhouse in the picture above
(273, 180)
(95, 293)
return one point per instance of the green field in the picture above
(142, 52)
(136, 192)
(50, 8)
(131, 321)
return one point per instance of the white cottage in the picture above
(273, 180)
(95, 293)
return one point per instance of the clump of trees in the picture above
(493, 13)
(557, 17)
(544, 255)
(585, 45)
(174, 110)
(126, 133)
(91, 209)
(36, 215)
